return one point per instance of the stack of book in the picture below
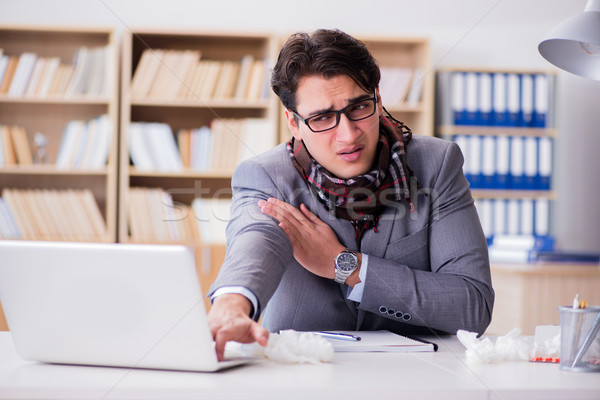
(530, 248)
(215, 148)
(41, 214)
(514, 216)
(496, 98)
(226, 143)
(400, 85)
(154, 217)
(182, 74)
(518, 248)
(30, 75)
(507, 162)
(14, 146)
(152, 147)
(85, 145)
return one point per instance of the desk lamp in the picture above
(574, 45)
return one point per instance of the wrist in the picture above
(354, 278)
(233, 302)
(346, 265)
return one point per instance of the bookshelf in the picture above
(410, 87)
(407, 85)
(503, 120)
(59, 75)
(169, 85)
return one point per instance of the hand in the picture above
(314, 243)
(228, 319)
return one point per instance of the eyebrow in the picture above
(351, 101)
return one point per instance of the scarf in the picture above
(361, 199)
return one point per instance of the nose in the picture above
(346, 131)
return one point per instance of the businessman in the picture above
(354, 224)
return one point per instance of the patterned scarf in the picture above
(361, 199)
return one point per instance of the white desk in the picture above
(367, 376)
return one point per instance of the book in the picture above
(22, 74)
(519, 248)
(145, 72)
(9, 74)
(47, 76)
(21, 146)
(8, 152)
(243, 79)
(36, 76)
(256, 80)
(380, 341)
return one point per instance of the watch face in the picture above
(346, 262)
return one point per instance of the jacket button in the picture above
(406, 317)
(399, 314)
(391, 311)
(383, 309)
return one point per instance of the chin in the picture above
(353, 171)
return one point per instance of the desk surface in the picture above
(444, 374)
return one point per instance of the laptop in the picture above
(118, 305)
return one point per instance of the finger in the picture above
(308, 214)
(287, 209)
(260, 334)
(220, 340)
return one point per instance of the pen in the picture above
(338, 336)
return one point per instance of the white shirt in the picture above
(354, 294)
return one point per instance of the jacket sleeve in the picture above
(257, 249)
(439, 276)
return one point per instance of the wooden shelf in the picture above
(512, 194)
(51, 100)
(50, 170)
(185, 112)
(194, 103)
(413, 53)
(494, 131)
(185, 173)
(51, 114)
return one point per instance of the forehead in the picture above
(316, 93)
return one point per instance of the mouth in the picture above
(351, 154)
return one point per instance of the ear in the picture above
(294, 129)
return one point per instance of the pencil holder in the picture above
(580, 339)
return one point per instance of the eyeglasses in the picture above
(328, 120)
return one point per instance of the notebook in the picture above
(118, 305)
(376, 341)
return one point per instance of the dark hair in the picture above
(325, 53)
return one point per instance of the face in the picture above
(349, 149)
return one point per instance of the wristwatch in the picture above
(345, 264)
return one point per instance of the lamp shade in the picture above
(574, 45)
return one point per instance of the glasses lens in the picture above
(322, 122)
(355, 112)
(361, 110)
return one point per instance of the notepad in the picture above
(381, 341)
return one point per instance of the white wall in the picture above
(495, 33)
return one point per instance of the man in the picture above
(354, 224)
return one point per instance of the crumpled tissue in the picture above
(290, 346)
(510, 347)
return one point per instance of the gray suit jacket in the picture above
(428, 269)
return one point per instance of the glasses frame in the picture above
(338, 114)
